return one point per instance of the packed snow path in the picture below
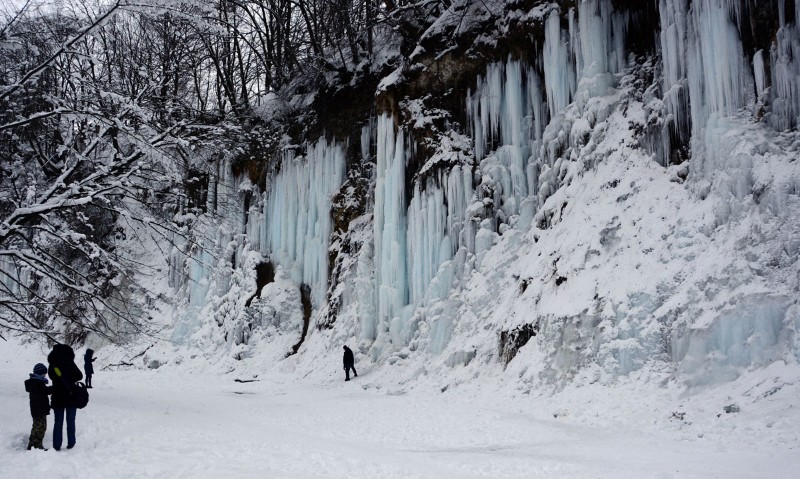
(166, 423)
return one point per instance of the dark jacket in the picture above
(87, 362)
(64, 373)
(38, 391)
(348, 357)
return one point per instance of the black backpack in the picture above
(79, 395)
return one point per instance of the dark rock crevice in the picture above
(512, 341)
(305, 297)
(265, 274)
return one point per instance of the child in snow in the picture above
(38, 390)
(87, 366)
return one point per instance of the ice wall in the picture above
(288, 225)
(752, 333)
(507, 116)
(702, 55)
(509, 111)
(529, 118)
(414, 238)
(294, 230)
(424, 245)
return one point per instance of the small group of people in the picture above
(64, 374)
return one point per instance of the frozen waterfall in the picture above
(296, 226)
(534, 121)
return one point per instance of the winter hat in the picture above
(40, 369)
(61, 354)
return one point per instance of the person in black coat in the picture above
(349, 363)
(37, 388)
(87, 366)
(64, 373)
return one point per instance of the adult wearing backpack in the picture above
(64, 373)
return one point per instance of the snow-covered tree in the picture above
(97, 122)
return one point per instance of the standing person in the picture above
(37, 388)
(64, 373)
(87, 366)
(349, 363)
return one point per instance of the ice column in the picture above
(599, 48)
(390, 223)
(364, 288)
(461, 230)
(702, 50)
(759, 72)
(428, 243)
(559, 67)
(673, 41)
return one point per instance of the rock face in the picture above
(598, 188)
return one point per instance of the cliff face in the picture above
(557, 189)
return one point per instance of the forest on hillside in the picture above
(113, 112)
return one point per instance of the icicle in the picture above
(674, 32)
(719, 77)
(673, 40)
(601, 55)
(559, 68)
(12, 276)
(781, 13)
(575, 42)
(513, 104)
(200, 266)
(536, 114)
(366, 140)
(759, 72)
(459, 193)
(516, 116)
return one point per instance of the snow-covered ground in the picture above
(171, 422)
